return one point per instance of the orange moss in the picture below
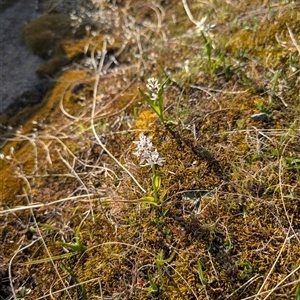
(74, 49)
(145, 119)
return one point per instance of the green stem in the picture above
(155, 194)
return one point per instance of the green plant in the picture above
(76, 248)
(201, 276)
(79, 287)
(293, 164)
(160, 260)
(23, 292)
(275, 82)
(155, 100)
(209, 47)
(155, 96)
(241, 123)
(159, 221)
(153, 288)
(297, 294)
(151, 158)
(245, 268)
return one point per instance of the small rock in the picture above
(263, 117)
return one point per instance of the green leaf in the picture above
(146, 97)
(153, 288)
(74, 278)
(158, 109)
(156, 181)
(48, 227)
(201, 275)
(53, 258)
(150, 200)
(297, 295)
(76, 247)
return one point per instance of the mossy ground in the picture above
(227, 225)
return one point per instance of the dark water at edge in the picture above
(17, 63)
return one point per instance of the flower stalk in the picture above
(155, 96)
(149, 156)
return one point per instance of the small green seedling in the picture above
(201, 276)
(76, 247)
(79, 287)
(153, 288)
(160, 261)
(297, 294)
(275, 81)
(209, 48)
(293, 164)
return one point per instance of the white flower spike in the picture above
(145, 152)
(153, 86)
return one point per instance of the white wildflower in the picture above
(153, 86)
(146, 152)
(143, 144)
(155, 159)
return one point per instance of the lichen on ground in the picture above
(226, 225)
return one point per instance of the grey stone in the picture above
(262, 117)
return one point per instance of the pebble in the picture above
(262, 117)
